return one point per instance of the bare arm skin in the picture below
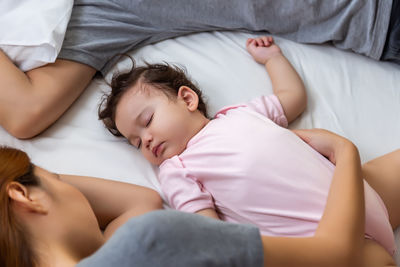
(209, 213)
(339, 238)
(383, 174)
(114, 202)
(286, 83)
(30, 102)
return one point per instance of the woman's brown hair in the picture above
(15, 245)
(167, 78)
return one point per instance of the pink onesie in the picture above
(250, 168)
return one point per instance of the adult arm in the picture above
(32, 101)
(114, 202)
(208, 213)
(338, 240)
(168, 238)
(171, 238)
(286, 83)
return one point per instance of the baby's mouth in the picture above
(157, 149)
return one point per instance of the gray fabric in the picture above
(391, 52)
(99, 30)
(176, 239)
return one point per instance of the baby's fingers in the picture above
(251, 46)
(259, 42)
(267, 40)
(249, 40)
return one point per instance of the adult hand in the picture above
(325, 142)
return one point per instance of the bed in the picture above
(349, 94)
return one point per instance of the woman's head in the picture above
(15, 243)
(41, 214)
(157, 108)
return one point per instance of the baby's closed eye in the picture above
(149, 120)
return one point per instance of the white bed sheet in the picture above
(349, 94)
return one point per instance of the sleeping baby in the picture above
(243, 165)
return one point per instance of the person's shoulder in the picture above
(133, 241)
(173, 162)
(226, 109)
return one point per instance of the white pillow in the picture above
(32, 31)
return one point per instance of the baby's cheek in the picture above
(148, 156)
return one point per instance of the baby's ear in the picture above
(189, 97)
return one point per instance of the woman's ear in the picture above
(25, 199)
(189, 97)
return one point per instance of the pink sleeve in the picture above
(271, 107)
(183, 192)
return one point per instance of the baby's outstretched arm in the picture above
(287, 84)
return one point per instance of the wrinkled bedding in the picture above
(349, 94)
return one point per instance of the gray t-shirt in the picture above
(169, 238)
(100, 30)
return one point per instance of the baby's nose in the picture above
(147, 139)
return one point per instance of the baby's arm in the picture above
(287, 84)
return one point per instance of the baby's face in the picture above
(158, 126)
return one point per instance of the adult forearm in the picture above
(10, 75)
(12, 80)
(344, 216)
(339, 236)
(30, 102)
(114, 202)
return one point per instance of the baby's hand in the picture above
(262, 48)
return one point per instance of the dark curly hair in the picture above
(165, 77)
